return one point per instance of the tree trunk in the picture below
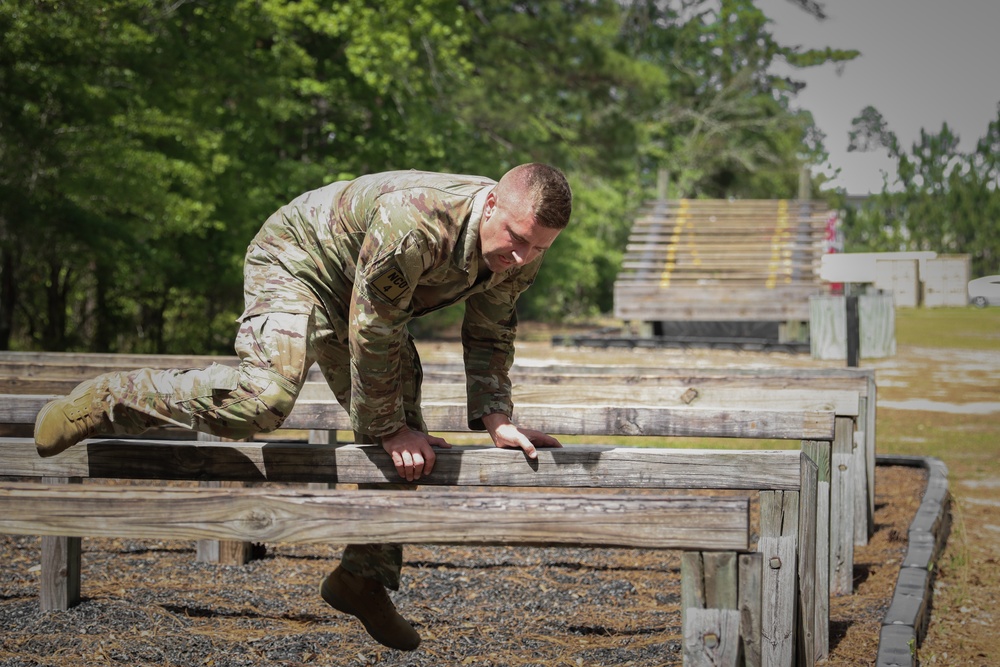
(8, 296)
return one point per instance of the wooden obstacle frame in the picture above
(588, 466)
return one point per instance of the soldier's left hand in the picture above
(508, 436)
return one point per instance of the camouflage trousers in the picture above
(275, 351)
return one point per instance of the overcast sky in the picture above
(922, 63)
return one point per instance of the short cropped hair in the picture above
(543, 188)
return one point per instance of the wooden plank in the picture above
(842, 403)
(225, 552)
(842, 511)
(820, 454)
(862, 526)
(708, 580)
(782, 378)
(597, 466)
(709, 614)
(813, 614)
(555, 419)
(417, 517)
(529, 379)
(91, 364)
(870, 447)
(711, 638)
(778, 544)
(607, 420)
(733, 307)
(749, 605)
(61, 563)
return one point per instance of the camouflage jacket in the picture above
(379, 250)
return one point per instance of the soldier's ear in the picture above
(490, 208)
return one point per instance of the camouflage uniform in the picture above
(333, 277)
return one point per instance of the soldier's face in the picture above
(509, 236)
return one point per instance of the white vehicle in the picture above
(985, 291)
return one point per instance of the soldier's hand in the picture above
(412, 452)
(508, 436)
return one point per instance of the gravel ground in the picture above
(149, 603)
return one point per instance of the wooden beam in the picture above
(61, 562)
(35, 365)
(579, 393)
(614, 420)
(606, 420)
(418, 517)
(596, 466)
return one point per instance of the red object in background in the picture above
(834, 242)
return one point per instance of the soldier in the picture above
(333, 278)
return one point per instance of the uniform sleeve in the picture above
(488, 333)
(380, 309)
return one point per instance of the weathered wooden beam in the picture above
(778, 543)
(813, 603)
(842, 489)
(468, 465)
(607, 420)
(555, 419)
(579, 392)
(221, 552)
(84, 365)
(61, 561)
(709, 615)
(749, 604)
(417, 517)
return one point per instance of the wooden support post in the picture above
(322, 437)
(779, 518)
(222, 552)
(870, 450)
(709, 614)
(862, 519)
(749, 593)
(819, 453)
(842, 509)
(812, 615)
(61, 561)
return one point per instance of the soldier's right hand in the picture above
(412, 452)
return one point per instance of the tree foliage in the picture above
(143, 142)
(942, 199)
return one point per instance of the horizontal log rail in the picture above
(560, 419)
(595, 466)
(85, 365)
(420, 517)
(296, 461)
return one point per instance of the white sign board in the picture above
(860, 267)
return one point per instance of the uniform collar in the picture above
(471, 256)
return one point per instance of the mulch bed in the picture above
(149, 603)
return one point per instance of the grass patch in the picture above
(963, 328)
(967, 444)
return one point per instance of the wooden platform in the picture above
(722, 260)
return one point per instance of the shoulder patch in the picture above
(390, 283)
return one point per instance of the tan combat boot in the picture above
(367, 599)
(66, 421)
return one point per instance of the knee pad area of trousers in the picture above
(275, 400)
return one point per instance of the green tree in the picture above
(142, 142)
(942, 199)
(726, 127)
